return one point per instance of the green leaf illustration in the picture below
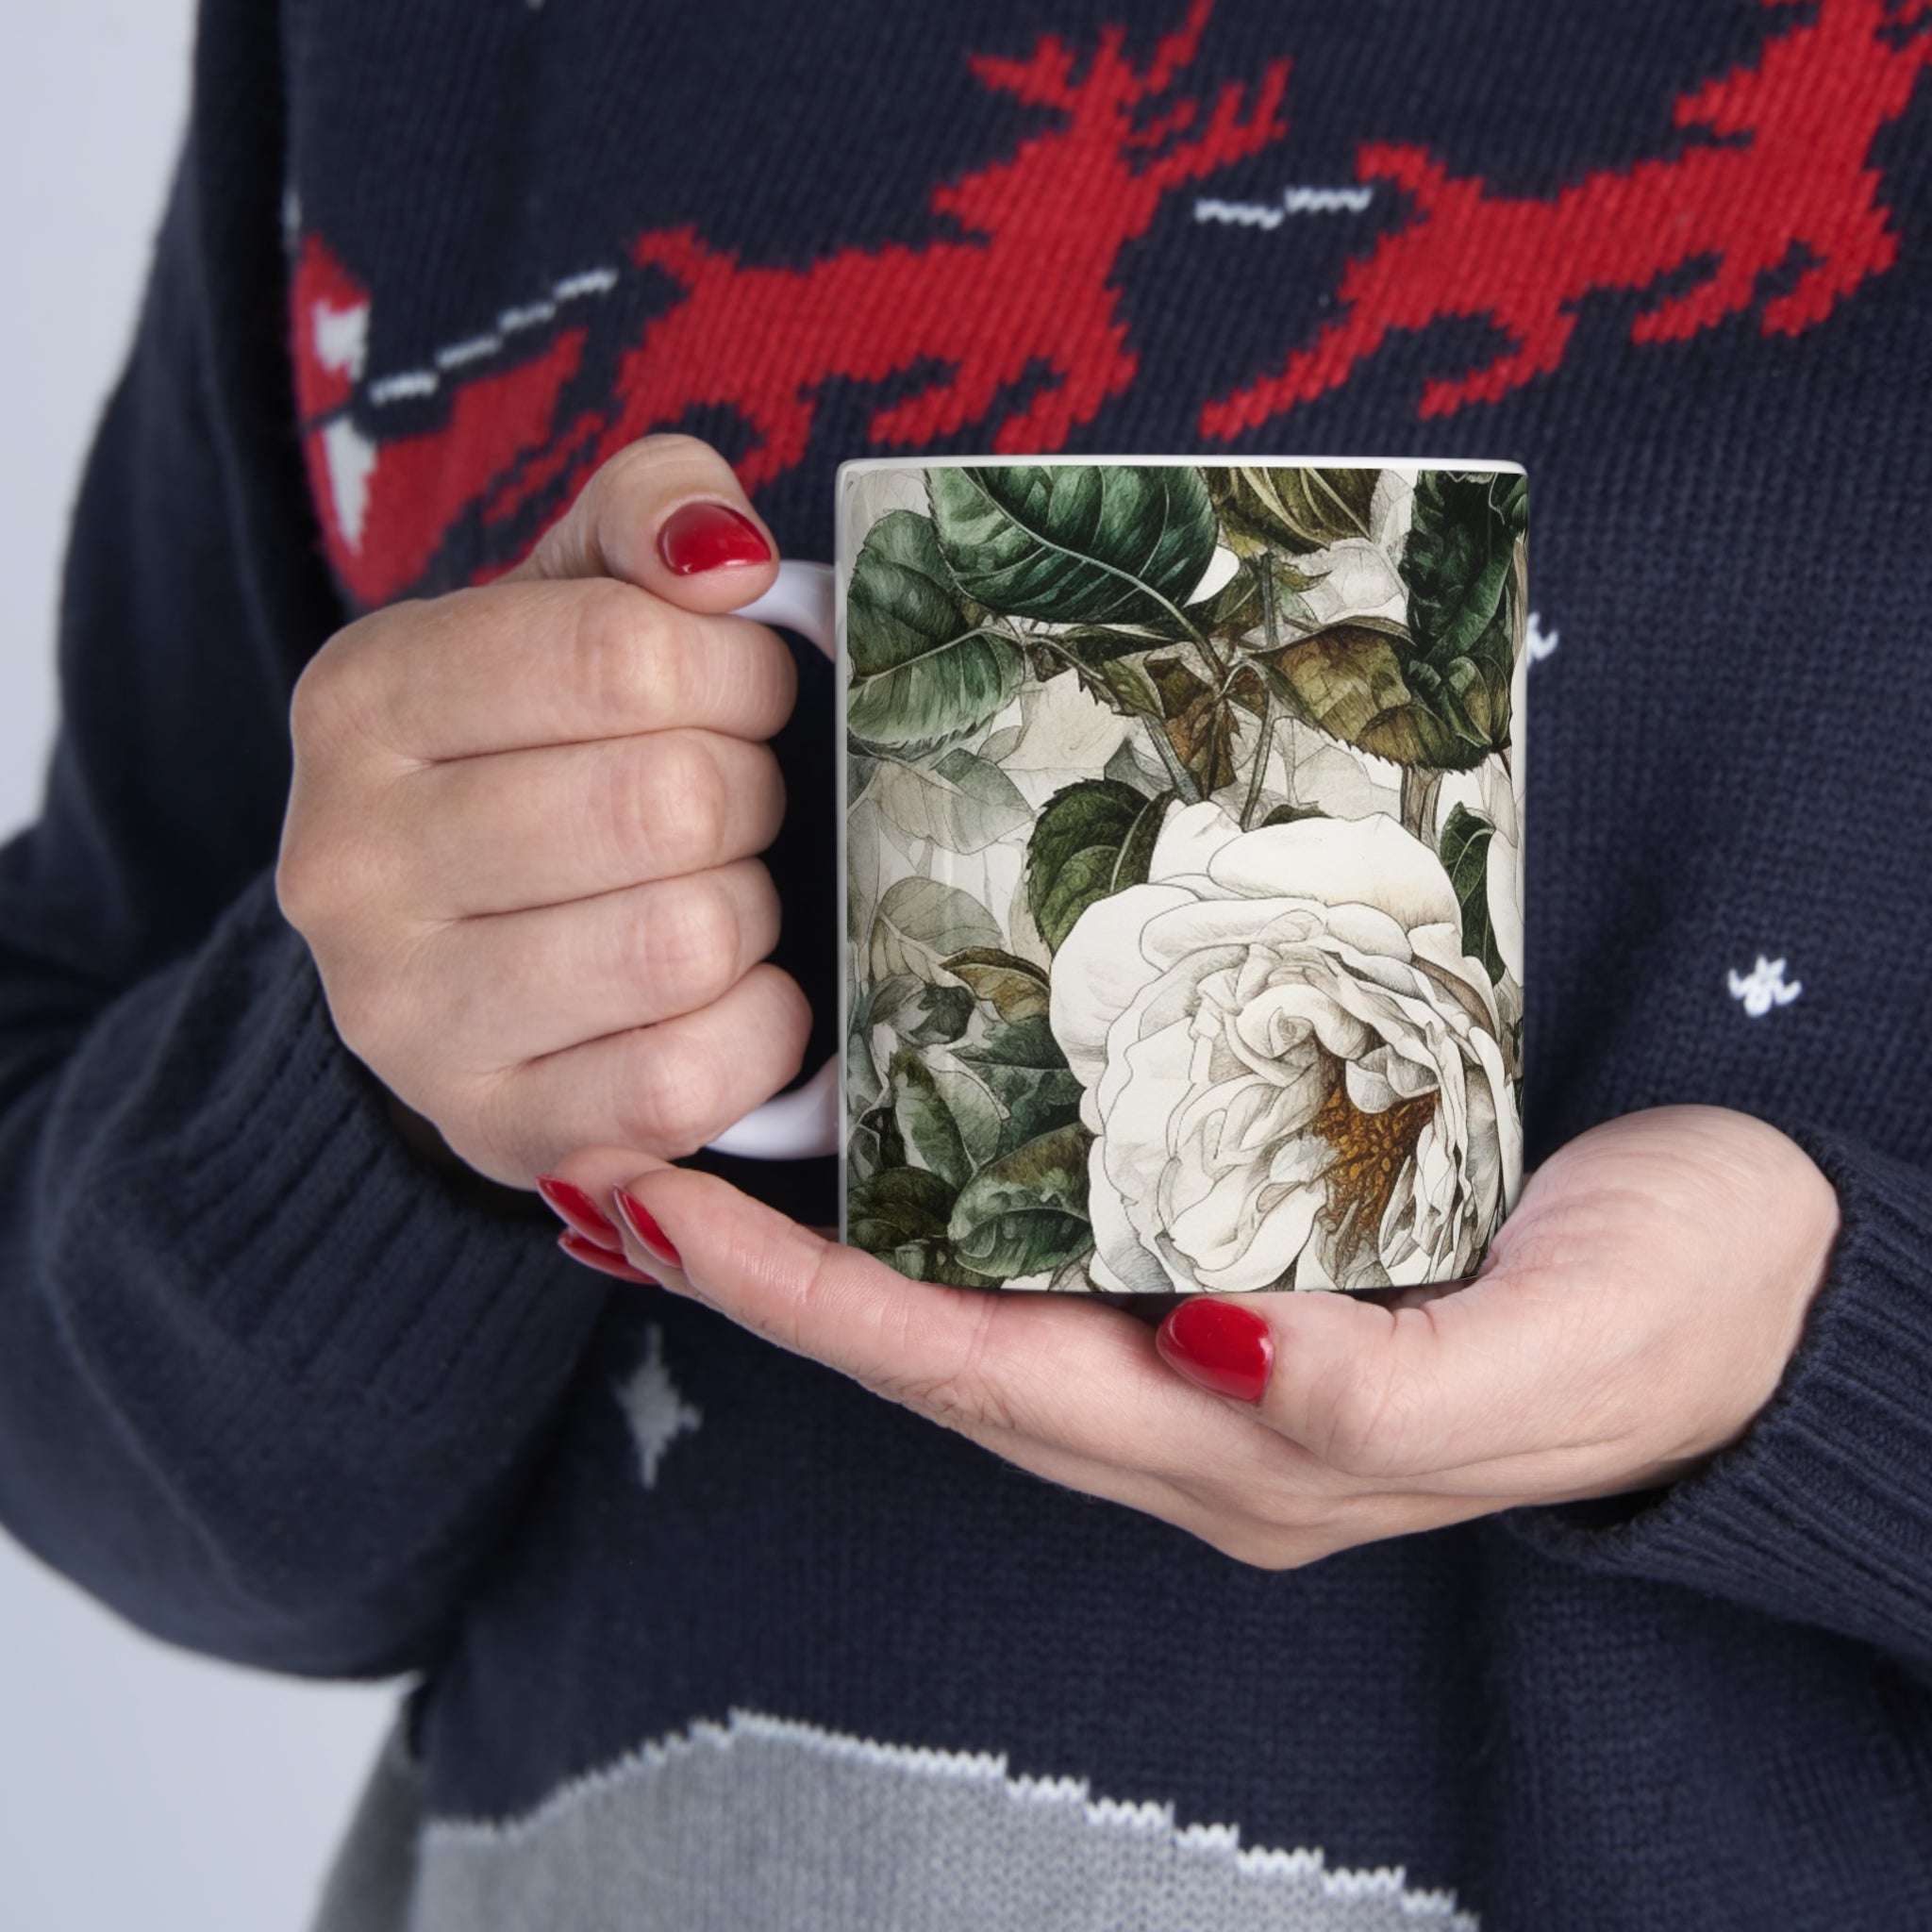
(1459, 565)
(1230, 611)
(1435, 692)
(939, 1262)
(1130, 686)
(976, 1113)
(920, 1013)
(1024, 1068)
(863, 1082)
(1466, 858)
(964, 802)
(1028, 1210)
(1077, 543)
(863, 859)
(1095, 837)
(900, 1206)
(1095, 644)
(1015, 988)
(1296, 509)
(1197, 723)
(926, 1121)
(866, 1153)
(876, 1142)
(921, 922)
(1236, 607)
(1358, 681)
(900, 1215)
(923, 669)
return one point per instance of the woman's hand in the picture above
(1635, 1313)
(521, 838)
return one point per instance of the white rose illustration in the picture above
(1291, 1068)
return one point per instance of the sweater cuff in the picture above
(1822, 1513)
(284, 1207)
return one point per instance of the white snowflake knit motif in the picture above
(1764, 987)
(656, 1412)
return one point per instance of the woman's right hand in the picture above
(521, 838)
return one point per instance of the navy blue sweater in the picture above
(707, 1635)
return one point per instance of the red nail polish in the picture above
(571, 1204)
(649, 1235)
(1223, 1347)
(708, 536)
(592, 1256)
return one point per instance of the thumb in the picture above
(668, 516)
(1381, 1392)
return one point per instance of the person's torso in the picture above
(1672, 259)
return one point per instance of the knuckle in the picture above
(764, 794)
(641, 663)
(668, 668)
(795, 1318)
(620, 500)
(787, 1029)
(608, 653)
(312, 704)
(1368, 1427)
(960, 1394)
(775, 673)
(638, 460)
(685, 808)
(673, 1098)
(760, 915)
(756, 675)
(327, 877)
(344, 691)
(490, 1127)
(959, 1406)
(321, 704)
(691, 943)
(297, 884)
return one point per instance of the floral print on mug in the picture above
(1183, 871)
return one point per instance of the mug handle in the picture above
(804, 1122)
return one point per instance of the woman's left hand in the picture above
(1635, 1313)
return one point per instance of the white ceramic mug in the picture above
(1181, 869)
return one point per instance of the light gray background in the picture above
(139, 1787)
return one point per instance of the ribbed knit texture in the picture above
(275, 1386)
(1813, 1516)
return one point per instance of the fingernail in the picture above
(708, 536)
(602, 1259)
(571, 1204)
(1222, 1347)
(644, 1229)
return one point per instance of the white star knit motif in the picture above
(1764, 987)
(656, 1412)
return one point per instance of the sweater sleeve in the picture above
(1822, 1513)
(270, 1385)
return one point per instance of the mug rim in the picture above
(1489, 465)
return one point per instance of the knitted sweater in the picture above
(704, 1635)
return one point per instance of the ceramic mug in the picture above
(1182, 868)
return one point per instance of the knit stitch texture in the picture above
(274, 1387)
